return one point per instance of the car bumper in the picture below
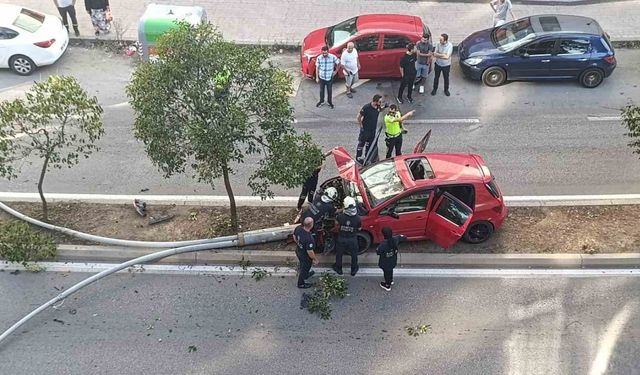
(473, 72)
(497, 223)
(52, 54)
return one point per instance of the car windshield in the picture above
(513, 34)
(381, 182)
(341, 32)
(29, 20)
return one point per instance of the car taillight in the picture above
(46, 43)
(610, 59)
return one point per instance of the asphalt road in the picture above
(536, 137)
(145, 324)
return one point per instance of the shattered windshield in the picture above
(381, 181)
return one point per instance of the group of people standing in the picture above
(98, 10)
(349, 223)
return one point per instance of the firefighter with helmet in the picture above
(349, 223)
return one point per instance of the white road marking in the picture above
(223, 200)
(421, 121)
(364, 272)
(604, 118)
(608, 342)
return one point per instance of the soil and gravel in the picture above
(589, 229)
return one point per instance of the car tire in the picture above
(22, 65)
(364, 242)
(478, 231)
(591, 78)
(494, 76)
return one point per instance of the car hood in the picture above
(313, 42)
(478, 44)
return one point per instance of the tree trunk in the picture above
(232, 199)
(45, 210)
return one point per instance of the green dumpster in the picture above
(159, 18)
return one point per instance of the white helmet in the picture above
(350, 206)
(330, 194)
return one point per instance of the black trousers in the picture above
(365, 143)
(307, 193)
(445, 73)
(388, 275)
(329, 86)
(394, 143)
(407, 81)
(304, 268)
(349, 247)
(71, 11)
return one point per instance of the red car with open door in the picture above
(441, 197)
(380, 40)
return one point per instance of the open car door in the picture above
(347, 167)
(448, 220)
(419, 149)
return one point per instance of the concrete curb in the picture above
(89, 254)
(223, 201)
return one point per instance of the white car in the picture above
(29, 39)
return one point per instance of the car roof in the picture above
(447, 168)
(554, 23)
(389, 22)
(8, 13)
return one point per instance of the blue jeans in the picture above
(423, 71)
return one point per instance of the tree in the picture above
(631, 119)
(57, 121)
(209, 105)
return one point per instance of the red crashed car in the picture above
(442, 197)
(380, 39)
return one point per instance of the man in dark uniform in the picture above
(349, 224)
(304, 251)
(309, 188)
(322, 207)
(368, 123)
(388, 252)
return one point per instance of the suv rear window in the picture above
(29, 20)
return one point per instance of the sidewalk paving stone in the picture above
(288, 21)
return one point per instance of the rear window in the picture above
(493, 188)
(29, 20)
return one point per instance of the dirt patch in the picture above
(592, 229)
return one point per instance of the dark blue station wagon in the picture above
(539, 48)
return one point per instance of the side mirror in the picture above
(390, 212)
(394, 215)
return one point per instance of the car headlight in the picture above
(473, 61)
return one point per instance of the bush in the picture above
(21, 244)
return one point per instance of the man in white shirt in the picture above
(67, 7)
(501, 8)
(442, 53)
(350, 67)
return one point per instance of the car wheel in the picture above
(364, 242)
(494, 76)
(22, 65)
(478, 232)
(591, 78)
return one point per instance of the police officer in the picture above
(349, 224)
(322, 207)
(309, 188)
(394, 128)
(305, 246)
(388, 252)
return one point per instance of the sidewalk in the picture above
(286, 22)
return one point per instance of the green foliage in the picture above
(207, 104)
(631, 120)
(259, 274)
(333, 286)
(56, 121)
(21, 244)
(244, 264)
(417, 330)
(318, 302)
